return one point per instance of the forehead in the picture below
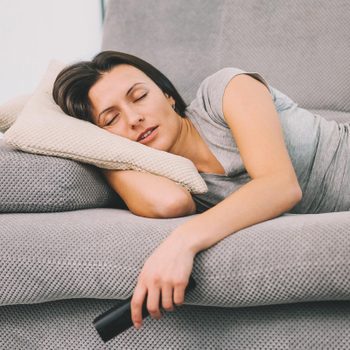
(122, 76)
(113, 85)
(116, 82)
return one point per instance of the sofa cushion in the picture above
(99, 253)
(43, 128)
(300, 47)
(38, 183)
(67, 324)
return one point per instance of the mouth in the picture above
(148, 135)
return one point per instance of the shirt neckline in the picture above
(199, 130)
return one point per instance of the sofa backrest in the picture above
(302, 47)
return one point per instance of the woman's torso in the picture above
(317, 148)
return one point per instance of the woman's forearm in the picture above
(258, 200)
(144, 193)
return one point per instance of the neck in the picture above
(189, 142)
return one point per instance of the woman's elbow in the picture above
(298, 193)
(182, 205)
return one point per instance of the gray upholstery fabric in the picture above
(99, 253)
(302, 48)
(36, 183)
(280, 284)
(67, 325)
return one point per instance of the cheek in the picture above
(118, 129)
(159, 104)
(114, 131)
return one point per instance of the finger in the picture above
(167, 297)
(179, 294)
(153, 296)
(136, 304)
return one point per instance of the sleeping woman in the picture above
(258, 152)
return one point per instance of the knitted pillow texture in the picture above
(43, 128)
(10, 110)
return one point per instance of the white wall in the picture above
(34, 32)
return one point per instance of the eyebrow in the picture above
(111, 107)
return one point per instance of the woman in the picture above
(232, 132)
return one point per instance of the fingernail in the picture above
(137, 325)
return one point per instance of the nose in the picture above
(133, 117)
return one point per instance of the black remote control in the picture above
(117, 319)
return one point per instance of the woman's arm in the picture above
(257, 201)
(274, 189)
(166, 272)
(150, 195)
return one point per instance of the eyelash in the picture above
(116, 116)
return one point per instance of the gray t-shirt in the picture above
(318, 148)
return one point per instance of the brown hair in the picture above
(72, 85)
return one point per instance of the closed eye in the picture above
(142, 97)
(109, 123)
(111, 120)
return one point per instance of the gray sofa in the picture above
(70, 249)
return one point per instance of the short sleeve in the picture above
(212, 89)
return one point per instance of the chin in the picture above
(155, 147)
(158, 147)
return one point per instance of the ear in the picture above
(170, 98)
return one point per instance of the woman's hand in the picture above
(164, 278)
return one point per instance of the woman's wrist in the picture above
(186, 239)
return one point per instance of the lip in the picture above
(150, 136)
(151, 128)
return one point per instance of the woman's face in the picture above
(126, 102)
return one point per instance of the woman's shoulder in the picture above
(220, 75)
(220, 78)
(207, 103)
(209, 96)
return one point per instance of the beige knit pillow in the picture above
(43, 128)
(10, 110)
